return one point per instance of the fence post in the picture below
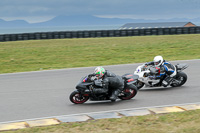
(2, 38)
(198, 30)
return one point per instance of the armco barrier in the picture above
(99, 33)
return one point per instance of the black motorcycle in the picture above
(86, 86)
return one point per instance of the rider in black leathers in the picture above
(167, 70)
(109, 81)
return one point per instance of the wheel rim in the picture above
(79, 99)
(129, 93)
(181, 80)
(140, 85)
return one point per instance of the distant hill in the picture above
(85, 20)
(14, 23)
(81, 21)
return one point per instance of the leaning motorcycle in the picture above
(147, 76)
(85, 89)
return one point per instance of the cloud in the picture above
(121, 8)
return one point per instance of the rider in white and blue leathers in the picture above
(167, 70)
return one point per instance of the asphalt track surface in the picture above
(32, 95)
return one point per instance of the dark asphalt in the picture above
(46, 93)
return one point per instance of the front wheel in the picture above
(128, 93)
(77, 98)
(139, 85)
(181, 77)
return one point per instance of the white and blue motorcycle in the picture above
(147, 76)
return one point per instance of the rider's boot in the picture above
(167, 81)
(114, 95)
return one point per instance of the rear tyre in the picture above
(128, 93)
(182, 77)
(77, 98)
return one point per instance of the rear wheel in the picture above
(181, 77)
(77, 98)
(128, 93)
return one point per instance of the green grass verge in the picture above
(20, 56)
(184, 122)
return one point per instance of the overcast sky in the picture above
(43, 10)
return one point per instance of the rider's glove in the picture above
(90, 75)
(146, 64)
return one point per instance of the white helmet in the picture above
(158, 60)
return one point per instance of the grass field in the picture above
(20, 56)
(184, 122)
(38, 55)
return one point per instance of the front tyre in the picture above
(128, 93)
(77, 98)
(181, 77)
(139, 85)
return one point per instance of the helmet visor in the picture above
(157, 62)
(97, 75)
